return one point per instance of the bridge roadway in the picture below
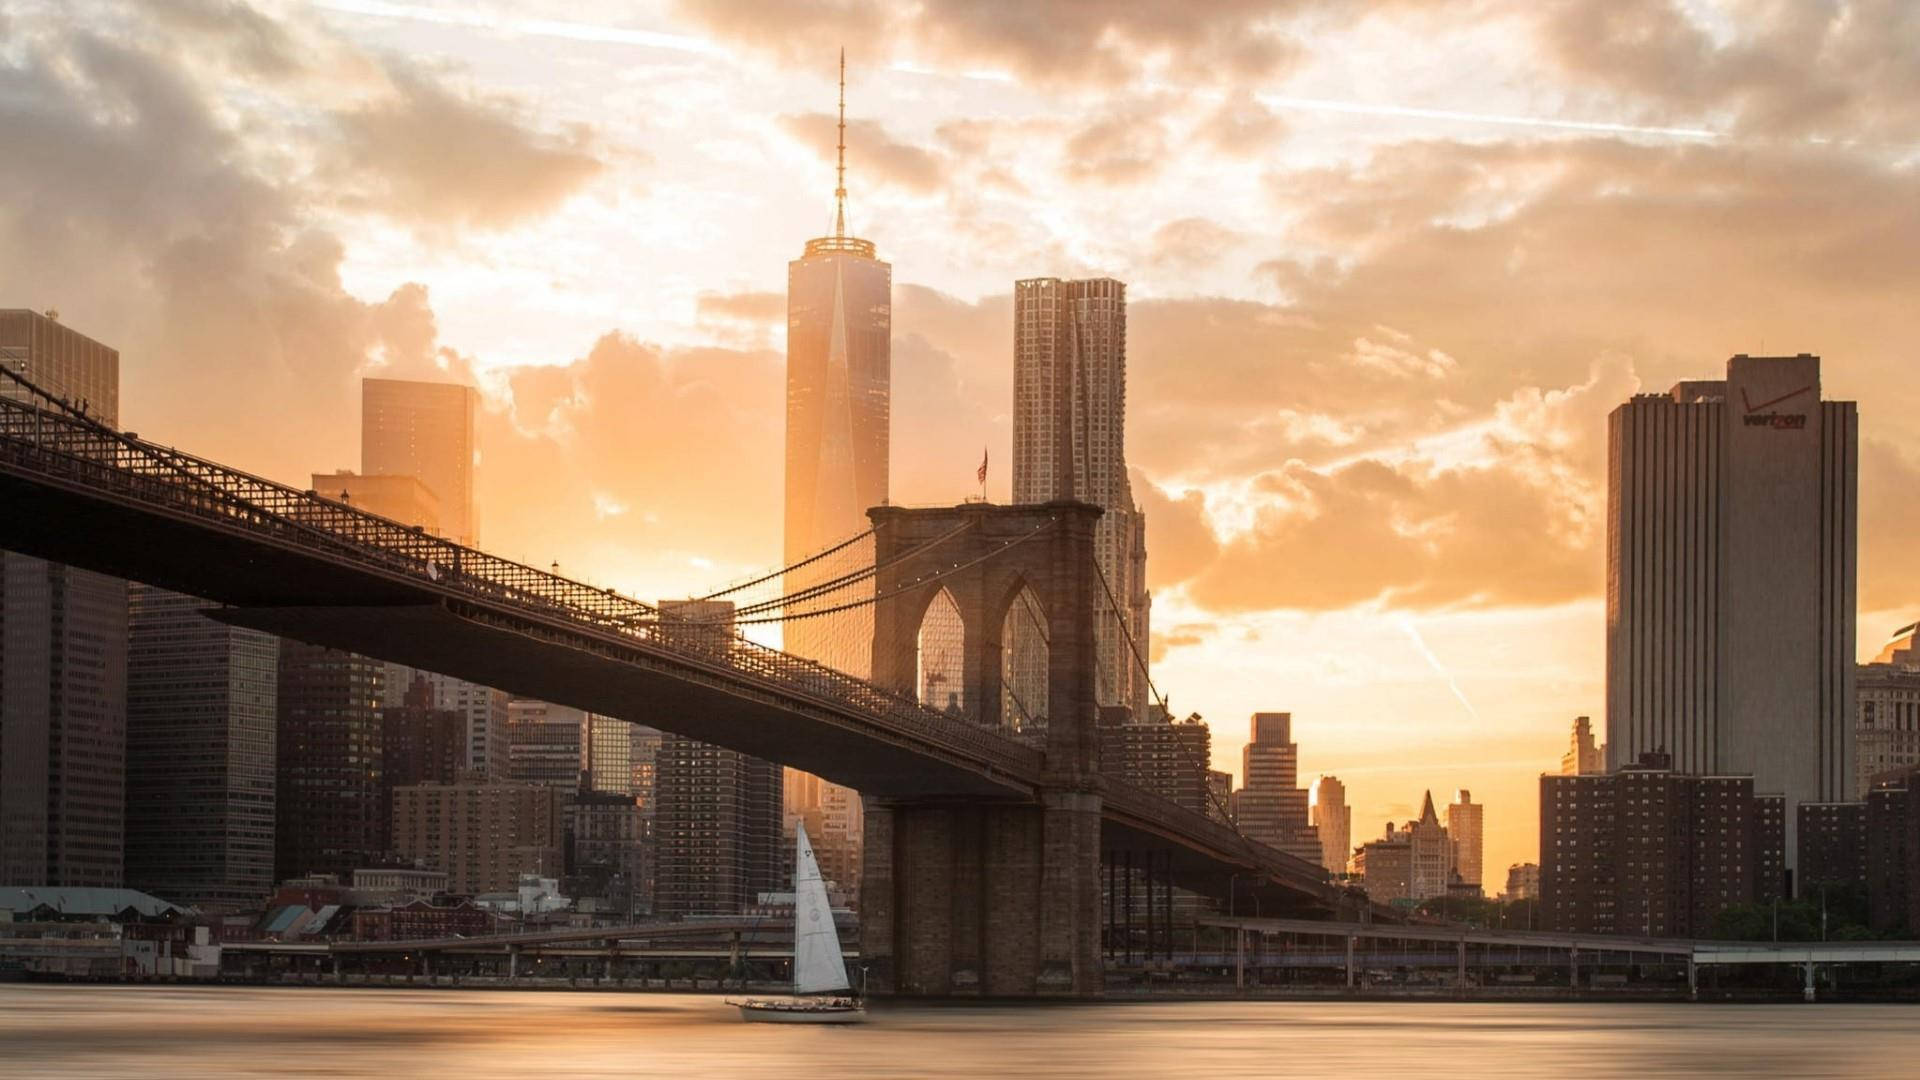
(297, 564)
(1693, 953)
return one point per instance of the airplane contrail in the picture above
(619, 35)
(1452, 683)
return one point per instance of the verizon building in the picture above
(1731, 520)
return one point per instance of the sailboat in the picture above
(819, 967)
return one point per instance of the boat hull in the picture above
(791, 1011)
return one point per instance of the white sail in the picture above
(818, 966)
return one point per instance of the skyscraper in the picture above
(1465, 824)
(548, 743)
(717, 814)
(1731, 534)
(1582, 755)
(1333, 819)
(1069, 442)
(424, 430)
(839, 402)
(417, 451)
(717, 828)
(839, 378)
(330, 813)
(63, 659)
(201, 710)
(1271, 806)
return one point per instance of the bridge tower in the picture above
(997, 898)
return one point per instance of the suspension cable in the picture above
(909, 586)
(852, 577)
(808, 561)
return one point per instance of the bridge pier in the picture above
(971, 899)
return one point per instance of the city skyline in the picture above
(1411, 641)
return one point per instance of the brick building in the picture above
(1164, 756)
(420, 919)
(483, 835)
(1893, 853)
(1832, 841)
(1650, 852)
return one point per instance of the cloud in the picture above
(624, 437)
(261, 45)
(1242, 126)
(872, 154)
(426, 155)
(1180, 537)
(757, 307)
(1835, 69)
(1125, 146)
(1076, 41)
(1192, 241)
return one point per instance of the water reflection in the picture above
(69, 1031)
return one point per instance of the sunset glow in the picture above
(1387, 275)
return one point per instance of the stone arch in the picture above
(1022, 642)
(940, 649)
(983, 556)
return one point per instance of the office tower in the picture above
(417, 453)
(646, 755)
(645, 751)
(421, 744)
(609, 763)
(547, 744)
(1332, 818)
(1647, 850)
(717, 814)
(1887, 725)
(1731, 526)
(717, 829)
(1464, 823)
(1271, 806)
(1165, 757)
(63, 658)
(839, 373)
(401, 497)
(1069, 442)
(483, 835)
(330, 812)
(484, 710)
(423, 430)
(1523, 881)
(202, 702)
(1582, 755)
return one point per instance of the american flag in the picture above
(983, 465)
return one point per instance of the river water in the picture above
(88, 1031)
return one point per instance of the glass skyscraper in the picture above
(63, 658)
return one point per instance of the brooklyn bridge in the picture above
(989, 833)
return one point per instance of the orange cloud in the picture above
(426, 155)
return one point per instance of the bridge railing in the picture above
(1146, 805)
(85, 452)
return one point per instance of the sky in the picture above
(1390, 265)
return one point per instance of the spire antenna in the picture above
(840, 169)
